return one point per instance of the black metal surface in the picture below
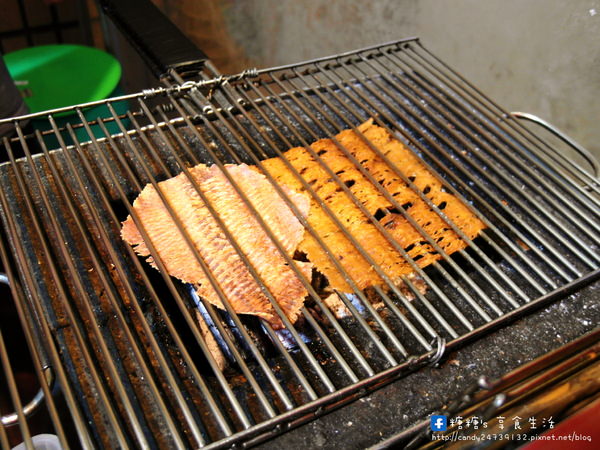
(376, 419)
(160, 43)
(130, 356)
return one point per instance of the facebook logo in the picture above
(438, 423)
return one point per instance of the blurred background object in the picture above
(11, 103)
(541, 56)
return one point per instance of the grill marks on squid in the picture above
(239, 286)
(378, 247)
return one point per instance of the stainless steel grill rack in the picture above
(124, 341)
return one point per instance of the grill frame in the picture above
(189, 110)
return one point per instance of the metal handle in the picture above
(160, 43)
(591, 159)
(32, 406)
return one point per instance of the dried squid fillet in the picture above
(377, 246)
(225, 264)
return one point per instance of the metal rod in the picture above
(339, 267)
(472, 245)
(458, 314)
(259, 393)
(467, 175)
(406, 366)
(43, 370)
(226, 122)
(146, 93)
(32, 405)
(62, 290)
(283, 253)
(341, 55)
(506, 160)
(330, 214)
(17, 292)
(286, 355)
(311, 290)
(331, 318)
(4, 437)
(387, 195)
(14, 395)
(241, 415)
(584, 153)
(406, 303)
(500, 186)
(509, 242)
(496, 247)
(485, 106)
(99, 268)
(285, 197)
(503, 163)
(119, 267)
(395, 203)
(245, 259)
(486, 127)
(292, 102)
(499, 121)
(79, 284)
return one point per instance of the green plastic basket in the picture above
(55, 76)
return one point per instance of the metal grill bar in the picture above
(483, 104)
(331, 318)
(40, 363)
(197, 377)
(474, 264)
(590, 159)
(490, 225)
(74, 410)
(288, 260)
(463, 319)
(499, 185)
(191, 420)
(264, 402)
(480, 200)
(269, 232)
(240, 360)
(156, 381)
(16, 401)
(104, 278)
(259, 164)
(379, 270)
(503, 162)
(459, 124)
(257, 161)
(499, 168)
(472, 245)
(79, 334)
(97, 265)
(582, 216)
(443, 322)
(316, 236)
(467, 175)
(327, 381)
(394, 202)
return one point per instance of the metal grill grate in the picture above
(124, 341)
